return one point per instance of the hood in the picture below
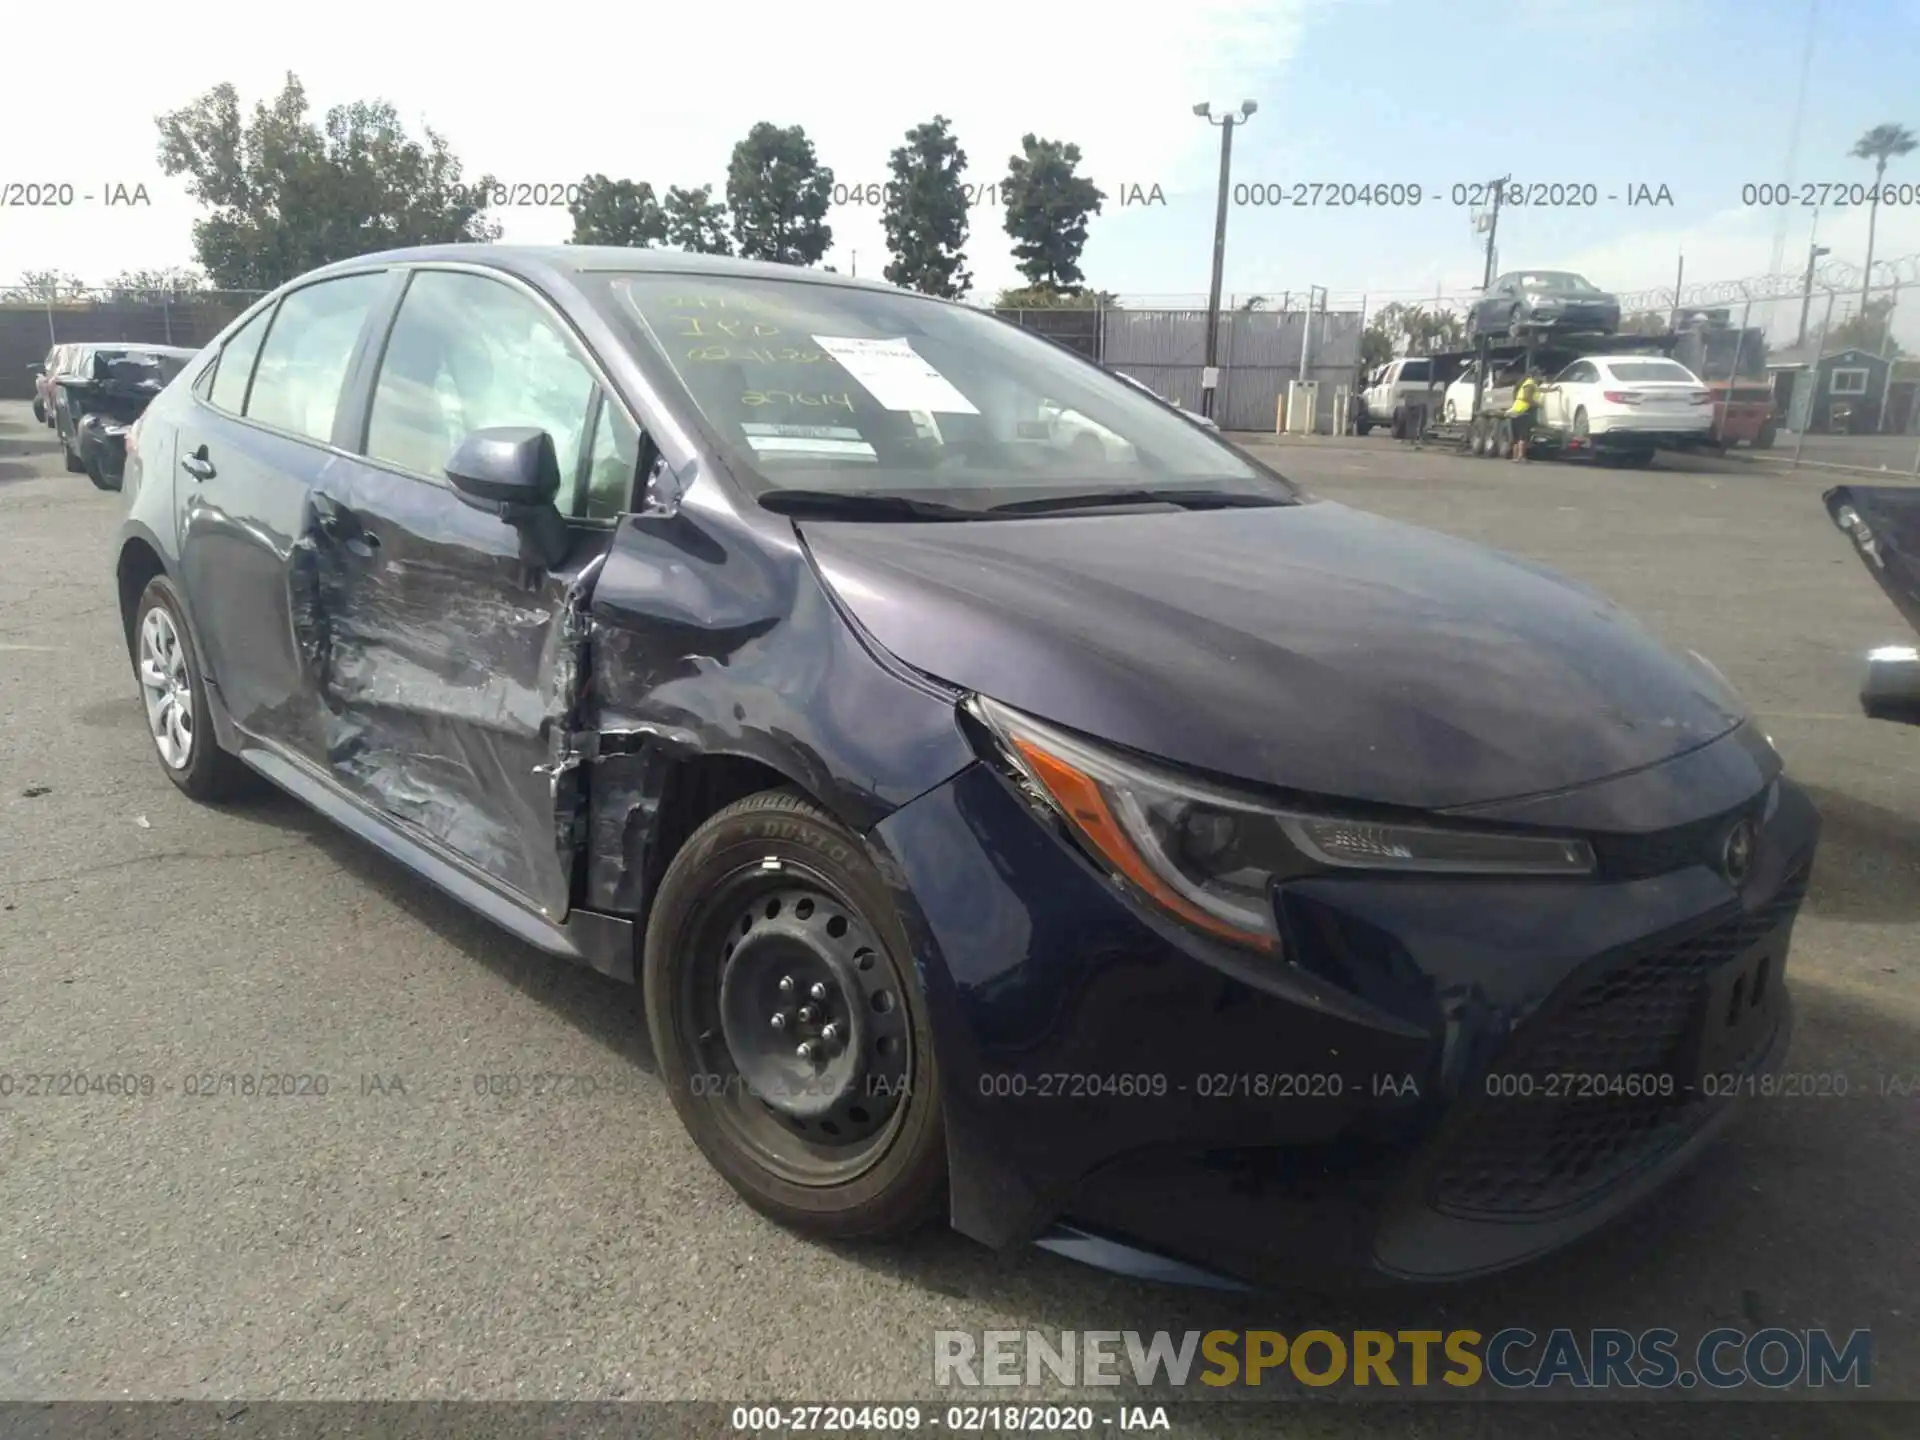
(1309, 647)
(1883, 521)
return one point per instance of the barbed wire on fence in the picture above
(1840, 275)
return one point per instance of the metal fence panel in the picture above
(1260, 353)
(30, 327)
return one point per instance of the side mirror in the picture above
(511, 471)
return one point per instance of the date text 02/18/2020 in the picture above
(1408, 194)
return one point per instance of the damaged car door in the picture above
(454, 628)
(247, 453)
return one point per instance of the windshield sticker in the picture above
(895, 375)
(835, 440)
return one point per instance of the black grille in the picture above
(1533, 1153)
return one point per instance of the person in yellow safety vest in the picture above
(1526, 406)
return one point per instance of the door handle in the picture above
(197, 464)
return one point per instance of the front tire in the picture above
(98, 475)
(771, 930)
(179, 720)
(39, 410)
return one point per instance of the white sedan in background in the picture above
(1628, 401)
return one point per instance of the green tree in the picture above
(778, 192)
(50, 285)
(1379, 339)
(1400, 329)
(168, 283)
(696, 222)
(1644, 322)
(1047, 207)
(287, 194)
(1864, 330)
(926, 212)
(617, 212)
(1045, 297)
(1880, 144)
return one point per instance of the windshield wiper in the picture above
(859, 505)
(1187, 498)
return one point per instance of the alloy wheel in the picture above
(166, 686)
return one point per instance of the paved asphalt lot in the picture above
(437, 1244)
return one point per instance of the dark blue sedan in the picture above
(1014, 804)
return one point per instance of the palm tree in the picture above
(1880, 144)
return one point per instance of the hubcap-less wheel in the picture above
(167, 688)
(804, 1042)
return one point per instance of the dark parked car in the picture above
(1883, 521)
(100, 393)
(1532, 300)
(1122, 851)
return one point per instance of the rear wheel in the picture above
(71, 460)
(788, 1025)
(39, 410)
(98, 475)
(1514, 322)
(179, 721)
(1582, 426)
(1764, 440)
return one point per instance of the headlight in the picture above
(1211, 857)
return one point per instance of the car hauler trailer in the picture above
(1485, 429)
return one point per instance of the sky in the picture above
(1691, 99)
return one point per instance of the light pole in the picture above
(1211, 375)
(1814, 252)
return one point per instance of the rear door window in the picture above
(303, 362)
(1416, 370)
(235, 366)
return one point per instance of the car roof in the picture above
(530, 261)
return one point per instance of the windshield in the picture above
(856, 392)
(1560, 280)
(1638, 372)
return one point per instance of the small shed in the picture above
(1834, 394)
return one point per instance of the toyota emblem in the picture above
(1736, 858)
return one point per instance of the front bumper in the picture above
(1119, 1088)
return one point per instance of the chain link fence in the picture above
(33, 323)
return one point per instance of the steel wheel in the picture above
(788, 1023)
(167, 688)
(797, 1017)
